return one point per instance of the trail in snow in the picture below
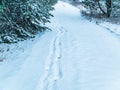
(90, 53)
(76, 55)
(52, 69)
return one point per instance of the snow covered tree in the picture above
(99, 6)
(91, 6)
(21, 19)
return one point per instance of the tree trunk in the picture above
(109, 7)
(101, 7)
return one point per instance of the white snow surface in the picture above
(76, 55)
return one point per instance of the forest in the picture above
(22, 19)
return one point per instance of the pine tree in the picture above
(21, 19)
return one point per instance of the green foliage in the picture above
(21, 19)
(52, 2)
(0, 2)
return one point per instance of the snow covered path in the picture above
(52, 70)
(76, 55)
(91, 54)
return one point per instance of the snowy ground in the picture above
(76, 55)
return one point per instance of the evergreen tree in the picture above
(0, 2)
(21, 19)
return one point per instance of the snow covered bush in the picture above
(21, 19)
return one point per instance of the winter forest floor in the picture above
(76, 55)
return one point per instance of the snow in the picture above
(111, 27)
(76, 55)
